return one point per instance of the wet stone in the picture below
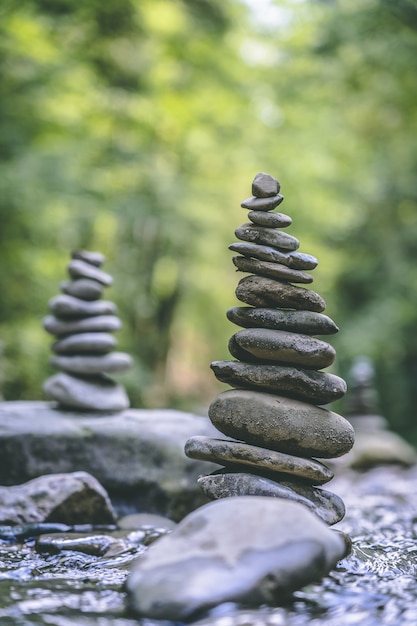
(306, 322)
(82, 269)
(89, 256)
(271, 220)
(68, 306)
(296, 260)
(325, 504)
(267, 236)
(85, 343)
(227, 452)
(282, 346)
(260, 291)
(282, 424)
(108, 363)
(265, 185)
(100, 323)
(262, 204)
(301, 384)
(275, 271)
(83, 288)
(98, 393)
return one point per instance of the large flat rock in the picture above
(137, 455)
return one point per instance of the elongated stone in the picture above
(94, 258)
(276, 271)
(68, 306)
(85, 343)
(326, 505)
(271, 220)
(264, 185)
(82, 269)
(263, 204)
(228, 452)
(100, 323)
(267, 236)
(260, 291)
(282, 424)
(97, 393)
(83, 288)
(302, 384)
(112, 362)
(306, 322)
(296, 260)
(285, 347)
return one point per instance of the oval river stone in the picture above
(228, 452)
(260, 291)
(267, 236)
(270, 270)
(306, 322)
(296, 260)
(263, 204)
(282, 424)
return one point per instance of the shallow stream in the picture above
(376, 585)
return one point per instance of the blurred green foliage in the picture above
(135, 127)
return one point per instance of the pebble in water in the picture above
(272, 415)
(84, 351)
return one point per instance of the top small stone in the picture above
(94, 258)
(265, 185)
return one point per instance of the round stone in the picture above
(264, 185)
(94, 258)
(68, 306)
(325, 504)
(228, 452)
(81, 269)
(85, 343)
(108, 363)
(306, 322)
(263, 204)
(296, 260)
(260, 291)
(83, 288)
(276, 271)
(271, 220)
(267, 236)
(285, 347)
(97, 393)
(302, 384)
(101, 323)
(283, 424)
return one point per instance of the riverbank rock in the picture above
(251, 550)
(76, 498)
(137, 455)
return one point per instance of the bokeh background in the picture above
(135, 127)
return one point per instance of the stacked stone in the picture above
(82, 323)
(273, 415)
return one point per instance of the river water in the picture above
(376, 585)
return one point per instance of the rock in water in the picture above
(82, 323)
(273, 415)
(251, 550)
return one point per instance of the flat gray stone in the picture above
(76, 498)
(68, 306)
(263, 204)
(99, 323)
(296, 260)
(137, 455)
(306, 322)
(283, 424)
(95, 393)
(85, 343)
(83, 288)
(227, 452)
(92, 257)
(284, 347)
(301, 384)
(107, 364)
(271, 220)
(267, 236)
(264, 185)
(78, 268)
(325, 504)
(260, 291)
(271, 270)
(251, 550)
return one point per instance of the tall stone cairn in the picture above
(272, 416)
(82, 323)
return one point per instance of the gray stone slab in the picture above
(110, 363)
(260, 291)
(95, 393)
(306, 322)
(78, 268)
(65, 306)
(276, 271)
(83, 288)
(296, 260)
(263, 204)
(85, 343)
(267, 218)
(99, 323)
(267, 236)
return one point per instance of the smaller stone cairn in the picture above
(273, 416)
(82, 323)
